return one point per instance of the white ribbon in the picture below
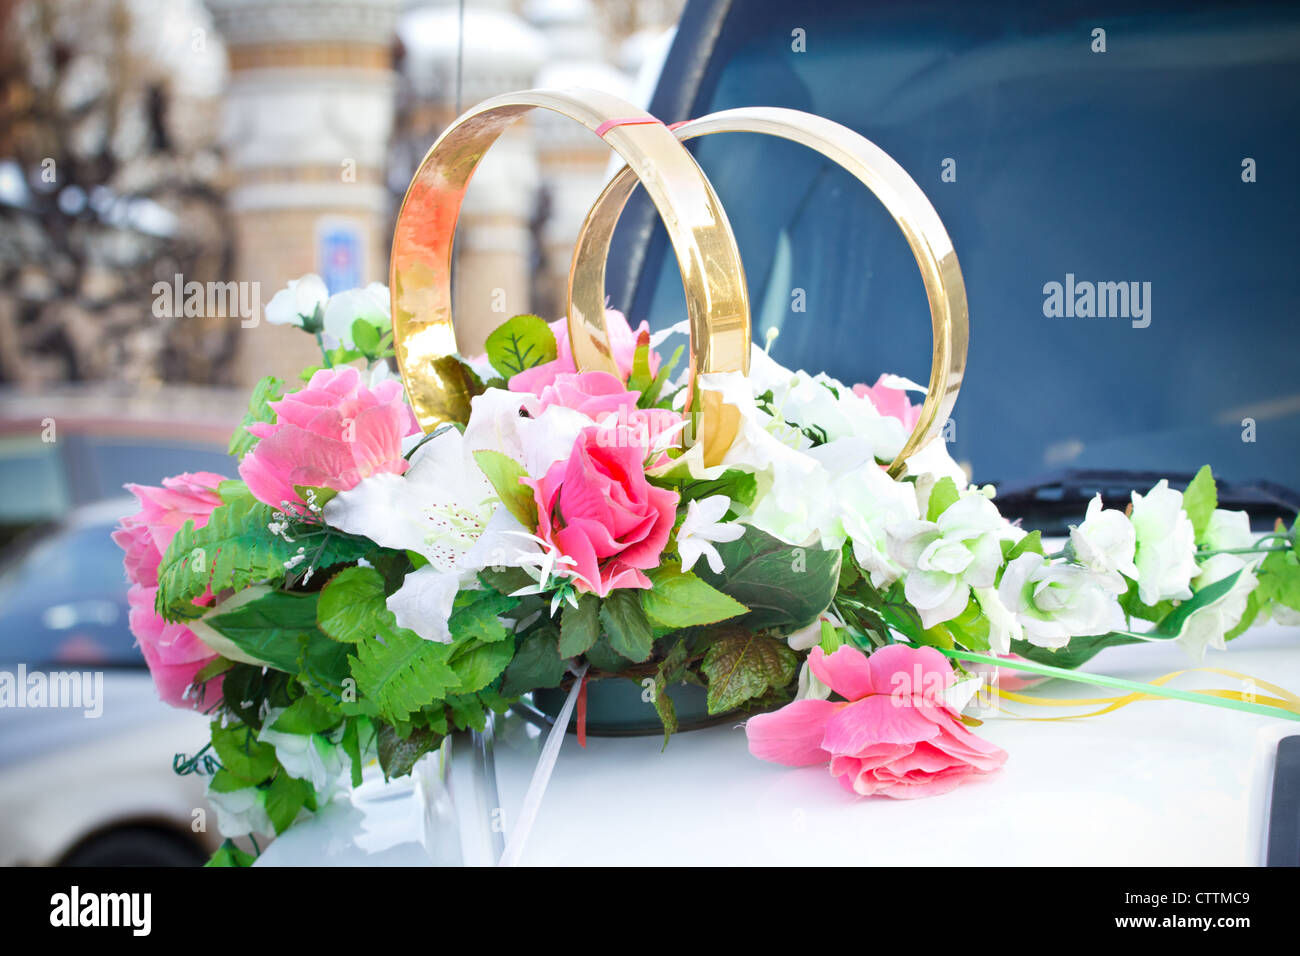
(541, 776)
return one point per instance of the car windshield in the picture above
(1166, 161)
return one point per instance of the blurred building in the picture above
(308, 118)
(331, 104)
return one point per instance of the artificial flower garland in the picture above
(363, 590)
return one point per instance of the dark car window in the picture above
(63, 601)
(117, 461)
(32, 483)
(1122, 166)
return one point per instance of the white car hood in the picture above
(1156, 783)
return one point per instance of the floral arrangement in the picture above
(363, 590)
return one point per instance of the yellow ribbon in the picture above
(1285, 700)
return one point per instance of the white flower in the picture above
(945, 559)
(240, 812)
(824, 405)
(1207, 625)
(1228, 530)
(810, 686)
(310, 757)
(344, 308)
(1166, 544)
(1106, 542)
(869, 503)
(442, 508)
(1056, 602)
(702, 528)
(1004, 626)
(297, 302)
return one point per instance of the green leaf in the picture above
(740, 486)
(641, 379)
(276, 628)
(400, 672)
(351, 744)
(504, 474)
(1079, 651)
(1247, 617)
(1030, 542)
(1200, 499)
(678, 598)
(476, 617)
(306, 715)
(269, 389)
(744, 665)
(602, 657)
(284, 798)
(1279, 579)
(234, 550)
(365, 336)
(783, 586)
(1172, 625)
(626, 624)
(242, 755)
(671, 671)
(520, 343)
(481, 664)
(351, 606)
(536, 664)
(579, 627)
(398, 754)
(651, 395)
(228, 854)
(942, 496)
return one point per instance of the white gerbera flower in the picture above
(702, 528)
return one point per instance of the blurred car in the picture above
(76, 446)
(92, 783)
(1123, 166)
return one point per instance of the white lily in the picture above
(702, 528)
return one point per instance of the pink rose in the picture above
(331, 434)
(174, 653)
(891, 402)
(600, 395)
(893, 734)
(595, 394)
(622, 344)
(144, 536)
(598, 508)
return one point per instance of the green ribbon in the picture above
(1126, 685)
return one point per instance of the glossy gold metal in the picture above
(875, 169)
(420, 274)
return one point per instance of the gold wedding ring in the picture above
(899, 193)
(420, 273)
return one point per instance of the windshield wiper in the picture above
(1061, 497)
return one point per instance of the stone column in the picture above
(499, 53)
(308, 115)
